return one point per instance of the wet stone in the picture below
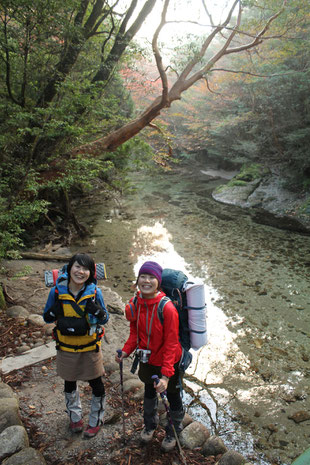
(300, 416)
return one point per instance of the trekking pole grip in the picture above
(119, 353)
(155, 378)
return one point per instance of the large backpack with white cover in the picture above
(189, 299)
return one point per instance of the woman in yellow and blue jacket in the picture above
(76, 306)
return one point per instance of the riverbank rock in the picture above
(214, 446)
(9, 409)
(232, 458)
(194, 435)
(25, 457)
(14, 441)
(17, 311)
(268, 202)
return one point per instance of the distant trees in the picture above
(260, 110)
(64, 112)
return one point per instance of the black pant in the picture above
(96, 385)
(174, 398)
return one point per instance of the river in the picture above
(250, 383)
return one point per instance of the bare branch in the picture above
(157, 54)
(209, 89)
(258, 38)
(249, 73)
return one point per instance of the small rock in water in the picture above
(300, 416)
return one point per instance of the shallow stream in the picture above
(253, 375)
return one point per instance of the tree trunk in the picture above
(45, 257)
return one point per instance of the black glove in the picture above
(52, 313)
(94, 309)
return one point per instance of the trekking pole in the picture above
(119, 353)
(163, 395)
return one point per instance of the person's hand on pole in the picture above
(161, 384)
(120, 355)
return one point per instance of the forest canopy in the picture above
(70, 117)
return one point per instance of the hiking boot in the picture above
(147, 435)
(168, 443)
(91, 431)
(76, 427)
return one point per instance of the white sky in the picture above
(182, 11)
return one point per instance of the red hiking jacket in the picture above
(164, 338)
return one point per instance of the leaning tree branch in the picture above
(183, 82)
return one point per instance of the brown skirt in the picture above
(82, 366)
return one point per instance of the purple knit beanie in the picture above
(151, 268)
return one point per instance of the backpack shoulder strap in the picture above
(73, 304)
(55, 275)
(160, 308)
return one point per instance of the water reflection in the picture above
(213, 362)
(154, 243)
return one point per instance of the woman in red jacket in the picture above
(159, 351)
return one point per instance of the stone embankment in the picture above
(14, 440)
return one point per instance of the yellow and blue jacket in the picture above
(67, 304)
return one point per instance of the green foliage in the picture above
(250, 172)
(50, 102)
(13, 222)
(26, 271)
(237, 182)
(305, 208)
(2, 300)
(306, 184)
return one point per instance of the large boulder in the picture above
(12, 440)
(214, 446)
(232, 458)
(9, 413)
(25, 457)
(194, 435)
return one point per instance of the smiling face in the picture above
(148, 286)
(78, 276)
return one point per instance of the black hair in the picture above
(85, 260)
